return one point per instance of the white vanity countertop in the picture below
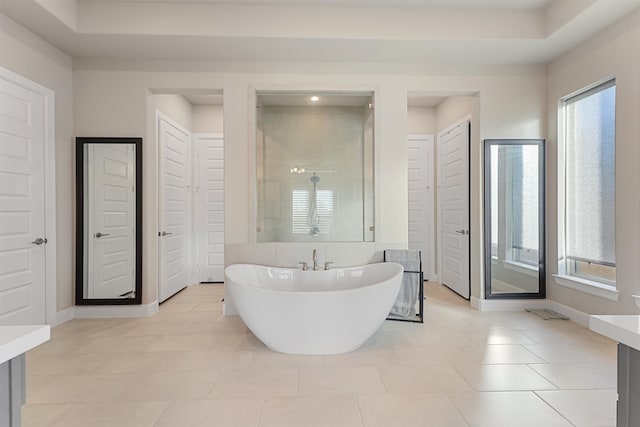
(15, 340)
(621, 328)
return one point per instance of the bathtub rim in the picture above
(380, 282)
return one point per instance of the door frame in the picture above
(48, 96)
(429, 264)
(439, 247)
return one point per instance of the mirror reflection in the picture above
(514, 218)
(314, 156)
(109, 222)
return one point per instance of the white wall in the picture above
(28, 55)
(176, 107)
(207, 119)
(113, 98)
(452, 109)
(124, 106)
(104, 99)
(614, 52)
(421, 120)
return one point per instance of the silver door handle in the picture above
(164, 233)
(463, 232)
(99, 234)
(39, 241)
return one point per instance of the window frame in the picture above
(567, 264)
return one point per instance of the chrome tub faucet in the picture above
(315, 260)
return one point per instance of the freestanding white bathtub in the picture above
(313, 312)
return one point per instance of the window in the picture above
(300, 203)
(523, 201)
(587, 185)
(514, 204)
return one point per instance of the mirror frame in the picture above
(542, 290)
(80, 144)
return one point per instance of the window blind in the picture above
(590, 175)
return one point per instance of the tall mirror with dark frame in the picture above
(109, 221)
(514, 218)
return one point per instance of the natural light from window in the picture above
(589, 185)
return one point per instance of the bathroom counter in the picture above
(626, 330)
(622, 328)
(15, 341)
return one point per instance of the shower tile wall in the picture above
(325, 140)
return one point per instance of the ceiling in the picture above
(318, 31)
(495, 4)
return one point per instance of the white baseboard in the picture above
(507, 304)
(108, 311)
(576, 316)
(580, 317)
(229, 310)
(62, 317)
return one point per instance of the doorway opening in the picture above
(438, 148)
(189, 126)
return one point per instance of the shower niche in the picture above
(314, 166)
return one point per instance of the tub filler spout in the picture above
(315, 260)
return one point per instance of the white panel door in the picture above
(211, 209)
(174, 198)
(454, 208)
(111, 227)
(421, 200)
(22, 207)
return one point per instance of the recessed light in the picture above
(314, 99)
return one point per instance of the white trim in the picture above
(507, 304)
(466, 118)
(63, 316)
(574, 315)
(587, 286)
(636, 298)
(229, 310)
(521, 267)
(504, 287)
(49, 187)
(105, 311)
(588, 87)
(115, 311)
(577, 316)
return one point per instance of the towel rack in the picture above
(404, 257)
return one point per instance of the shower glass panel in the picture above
(314, 158)
(514, 218)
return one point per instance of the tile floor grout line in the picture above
(535, 392)
(357, 397)
(455, 320)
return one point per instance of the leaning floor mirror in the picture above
(108, 221)
(514, 218)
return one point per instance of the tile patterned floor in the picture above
(190, 366)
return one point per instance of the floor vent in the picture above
(546, 314)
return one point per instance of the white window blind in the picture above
(590, 175)
(524, 198)
(300, 203)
